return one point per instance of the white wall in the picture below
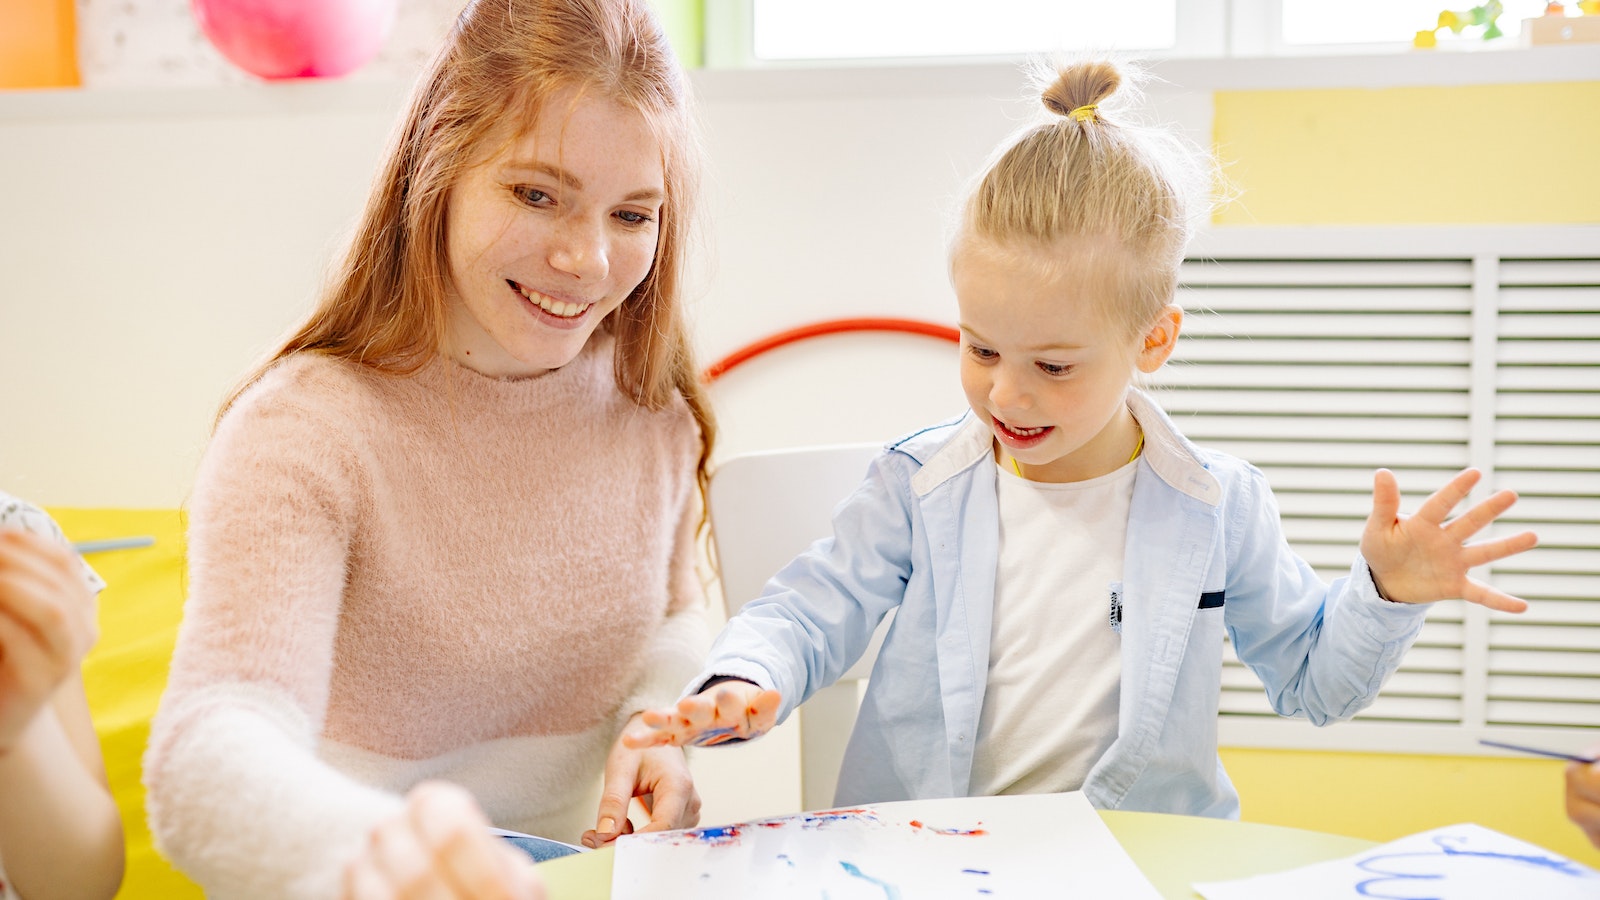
(154, 243)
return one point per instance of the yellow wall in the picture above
(126, 671)
(1492, 154)
(1381, 796)
(38, 44)
(1523, 153)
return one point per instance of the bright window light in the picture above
(1387, 21)
(865, 29)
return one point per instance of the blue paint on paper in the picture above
(1369, 888)
(890, 892)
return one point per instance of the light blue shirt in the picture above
(1205, 552)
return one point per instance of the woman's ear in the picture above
(1160, 339)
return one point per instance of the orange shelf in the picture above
(38, 44)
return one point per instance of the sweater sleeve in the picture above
(237, 797)
(679, 645)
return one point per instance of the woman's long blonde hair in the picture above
(386, 303)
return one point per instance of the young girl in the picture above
(1063, 562)
(60, 834)
(465, 490)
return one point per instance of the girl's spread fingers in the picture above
(1439, 504)
(1475, 519)
(1500, 548)
(1483, 595)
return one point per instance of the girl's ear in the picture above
(1160, 339)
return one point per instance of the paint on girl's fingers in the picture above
(713, 736)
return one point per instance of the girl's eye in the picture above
(634, 218)
(1054, 369)
(981, 352)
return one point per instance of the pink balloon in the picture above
(296, 38)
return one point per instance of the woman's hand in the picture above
(1583, 796)
(440, 847)
(722, 712)
(658, 776)
(47, 624)
(1423, 558)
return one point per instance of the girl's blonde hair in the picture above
(1082, 186)
(386, 303)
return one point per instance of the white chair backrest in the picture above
(766, 508)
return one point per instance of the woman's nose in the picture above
(579, 249)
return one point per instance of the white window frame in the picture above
(1206, 29)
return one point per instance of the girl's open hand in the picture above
(722, 712)
(47, 624)
(1422, 558)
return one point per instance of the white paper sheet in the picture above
(1457, 862)
(1042, 845)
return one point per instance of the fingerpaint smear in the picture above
(1368, 888)
(721, 836)
(890, 892)
(958, 832)
(713, 736)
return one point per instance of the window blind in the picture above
(1323, 354)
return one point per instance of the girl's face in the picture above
(551, 235)
(1045, 367)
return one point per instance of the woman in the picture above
(454, 515)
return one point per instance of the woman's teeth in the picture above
(553, 306)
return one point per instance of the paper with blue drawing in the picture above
(971, 847)
(1457, 862)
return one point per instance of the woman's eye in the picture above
(634, 218)
(1054, 368)
(533, 196)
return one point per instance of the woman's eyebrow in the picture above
(567, 179)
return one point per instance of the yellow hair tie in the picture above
(1085, 113)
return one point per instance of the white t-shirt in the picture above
(1050, 708)
(18, 514)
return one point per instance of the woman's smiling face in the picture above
(550, 235)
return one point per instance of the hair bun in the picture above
(1081, 85)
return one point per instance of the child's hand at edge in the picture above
(1583, 796)
(657, 775)
(440, 846)
(1423, 558)
(47, 624)
(724, 711)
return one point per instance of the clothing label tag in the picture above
(1116, 607)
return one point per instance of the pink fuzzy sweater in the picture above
(399, 578)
